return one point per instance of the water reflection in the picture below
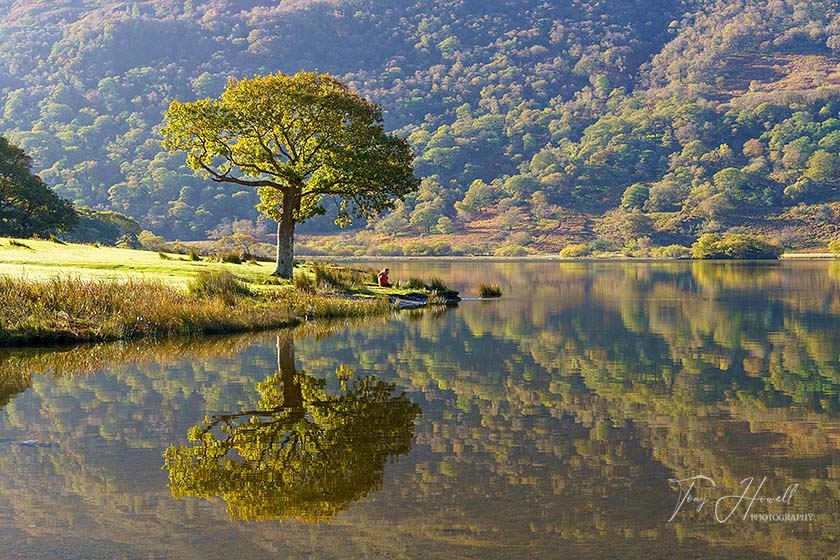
(302, 453)
(552, 422)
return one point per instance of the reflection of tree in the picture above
(12, 385)
(303, 453)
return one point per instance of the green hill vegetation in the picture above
(623, 124)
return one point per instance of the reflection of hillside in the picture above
(720, 370)
(552, 421)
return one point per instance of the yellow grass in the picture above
(45, 259)
(60, 293)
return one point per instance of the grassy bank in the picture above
(77, 309)
(55, 293)
(37, 259)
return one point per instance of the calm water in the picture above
(547, 424)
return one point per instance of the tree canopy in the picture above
(298, 139)
(577, 100)
(27, 205)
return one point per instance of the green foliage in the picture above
(436, 284)
(230, 257)
(299, 140)
(104, 227)
(720, 113)
(96, 139)
(672, 252)
(735, 246)
(622, 226)
(834, 246)
(489, 291)
(332, 278)
(328, 449)
(511, 250)
(635, 197)
(413, 284)
(152, 242)
(193, 255)
(577, 250)
(304, 282)
(28, 206)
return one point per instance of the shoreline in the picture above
(62, 312)
(59, 295)
(553, 257)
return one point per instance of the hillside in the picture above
(623, 122)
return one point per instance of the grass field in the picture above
(55, 292)
(40, 260)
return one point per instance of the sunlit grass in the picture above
(54, 292)
(43, 260)
(77, 309)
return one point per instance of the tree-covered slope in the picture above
(522, 113)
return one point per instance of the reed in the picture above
(73, 309)
(332, 278)
(489, 291)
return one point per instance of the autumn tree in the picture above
(299, 140)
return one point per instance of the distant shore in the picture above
(541, 257)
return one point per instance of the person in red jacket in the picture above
(384, 282)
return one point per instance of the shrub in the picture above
(441, 249)
(436, 298)
(413, 284)
(218, 283)
(489, 291)
(437, 285)
(672, 252)
(194, 256)
(511, 250)
(577, 250)
(834, 246)
(735, 246)
(55, 239)
(416, 249)
(231, 257)
(601, 246)
(152, 242)
(268, 281)
(330, 277)
(386, 249)
(164, 257)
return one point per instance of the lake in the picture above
(597, 410)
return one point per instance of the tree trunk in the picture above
(292, 393)
(286, 237)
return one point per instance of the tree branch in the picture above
(217, 177)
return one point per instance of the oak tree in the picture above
(299, 140)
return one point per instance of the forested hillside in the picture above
(622, 122)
